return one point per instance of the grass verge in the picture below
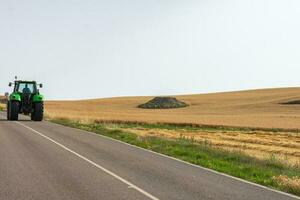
(265, 172)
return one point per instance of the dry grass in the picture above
(290, 184)
(2, 106)
(256, 108)
(2, 102)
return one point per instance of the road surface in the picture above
(42, 160)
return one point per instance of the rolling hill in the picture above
(262, 108)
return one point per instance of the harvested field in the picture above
(255, 108)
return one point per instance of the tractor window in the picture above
(26, 88)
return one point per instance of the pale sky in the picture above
(88, 49)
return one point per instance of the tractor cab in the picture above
(25, 87)
(28, 87)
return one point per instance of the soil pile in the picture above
(291, 102)
(163, 103)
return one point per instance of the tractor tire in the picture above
(13, 110)
(7, 110)
(38, 112)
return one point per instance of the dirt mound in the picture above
(163, 103)
(294, 102)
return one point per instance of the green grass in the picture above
(233, 163)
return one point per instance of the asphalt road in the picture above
(42, 160)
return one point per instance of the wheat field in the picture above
(253, 108)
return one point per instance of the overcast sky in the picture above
(87, 49)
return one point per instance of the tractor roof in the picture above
(25, 81)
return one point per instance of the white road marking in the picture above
(129, 184)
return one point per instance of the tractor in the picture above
(25, 99)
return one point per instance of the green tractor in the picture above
(25, 99)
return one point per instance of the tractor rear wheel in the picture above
(7, 110)
(38, 112)
(13, 110)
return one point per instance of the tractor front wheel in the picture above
(13, 110)
(38, 112)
